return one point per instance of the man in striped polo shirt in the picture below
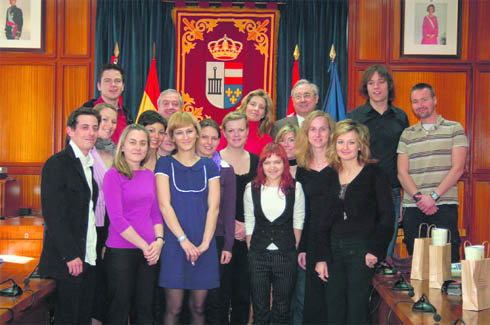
(431, 159)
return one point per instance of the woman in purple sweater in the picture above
(135, 237)
(217, 301)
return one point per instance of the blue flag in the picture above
(334, 104)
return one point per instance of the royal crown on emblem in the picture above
(225, 49)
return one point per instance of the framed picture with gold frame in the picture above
(431, 28)
(23, 23)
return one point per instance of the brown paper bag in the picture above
(475, 278)
(420, 257)
(439, 265)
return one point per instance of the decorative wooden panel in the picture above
(30, 191)
(77, 22)
(482, 31)
(355, 98)
(480, 222)
(26, 117)
(75, 92)
(450, 104)
(370, 28)
(482, 122)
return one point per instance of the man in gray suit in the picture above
(305, 99)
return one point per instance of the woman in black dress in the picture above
(244, 163)
(313, 168)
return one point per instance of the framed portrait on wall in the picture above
(430, 28)
(22, 23)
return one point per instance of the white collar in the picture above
(87, 161)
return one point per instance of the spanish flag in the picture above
(295, 79)
(152, 91)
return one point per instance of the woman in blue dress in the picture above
(188, 194)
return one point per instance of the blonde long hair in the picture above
(120, 162)
(362, 132)
(304, 154)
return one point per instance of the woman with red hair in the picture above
(274, 208)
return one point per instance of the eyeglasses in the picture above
(303, 96)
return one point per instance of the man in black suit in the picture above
(305, 99)
(68, 197)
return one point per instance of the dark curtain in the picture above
(136, 24)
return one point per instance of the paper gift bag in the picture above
(439, 265)
(420, 256)
(475, 278)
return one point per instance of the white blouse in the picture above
(273, 203)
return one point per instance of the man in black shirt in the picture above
(386, 123)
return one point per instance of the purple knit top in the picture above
(131, 202)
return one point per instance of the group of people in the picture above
(289, 217)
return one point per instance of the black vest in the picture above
(280, 232)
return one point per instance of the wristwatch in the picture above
(434, 195)
(416, 197)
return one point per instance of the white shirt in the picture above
(273, 203)
(300, 120)
(90, 246)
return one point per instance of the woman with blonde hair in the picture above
(244, 163)
(257, 107)
(357, 227)
(188, 189)
(286, 137)
(135, 233)
(312, 172)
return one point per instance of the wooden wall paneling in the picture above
(480, 222)
(26, 117)
(30, 191)
(481, 112)
(77, 23)
(395, 22)
(371, 30)
(482, 31)
(75, 91)
(450, 104)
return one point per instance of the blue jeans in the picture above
(298, 301)
(391, 247)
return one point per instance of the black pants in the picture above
(349, 282)
(130, 286)
(315, 307)
(100, 299)
(74, 299)
(445, 217)
(274, 270)
(218, 299)
(240, 284)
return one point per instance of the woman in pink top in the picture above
(430, 27)
(135, 237)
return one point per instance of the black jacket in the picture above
(368, 204)
(65, 197)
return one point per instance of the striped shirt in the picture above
(429, 155)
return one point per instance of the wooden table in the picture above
(30, 307)
(449, 307)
